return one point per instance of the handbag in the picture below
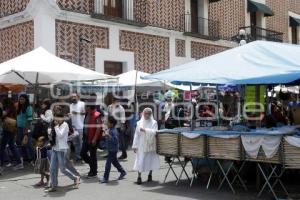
(10, 125)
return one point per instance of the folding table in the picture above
(168, 145)
(192, 145)
(270, 168)
(225, 148)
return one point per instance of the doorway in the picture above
(113, 68)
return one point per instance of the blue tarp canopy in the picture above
(258, 62)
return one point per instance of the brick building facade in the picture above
(148, 35)
(16, 40)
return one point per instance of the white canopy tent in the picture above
(40, 66)
(134, 78)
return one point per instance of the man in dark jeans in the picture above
(92, 133)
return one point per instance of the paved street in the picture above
(19, 185)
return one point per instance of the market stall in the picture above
(263, 146)
(40, 68)
(257, 63)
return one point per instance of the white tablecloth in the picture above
(293, 140)
(269, 144)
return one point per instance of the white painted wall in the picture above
(174, 60)
(114, 53)
(44, 27)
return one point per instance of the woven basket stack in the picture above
(193, 148)
(168, 144)
(224, 148)
(291, 156)
(261, 157)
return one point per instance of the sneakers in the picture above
(76, 182)
(122, 175)
(52, 189)
(90, 176)
(39, 184)
(79, 161)
(123, 157)
(103, 180)
(8, 165)
(18, 167)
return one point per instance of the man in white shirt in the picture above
(117, 111)
(77, 114)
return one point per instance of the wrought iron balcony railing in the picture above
(257, 33)
(121, 11)
(201, 27)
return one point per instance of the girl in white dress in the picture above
(144, 145)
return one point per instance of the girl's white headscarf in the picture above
(149, 122)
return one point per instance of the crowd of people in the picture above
(55, 135)
(50, 135)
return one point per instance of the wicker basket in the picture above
(192, 148)
(167, 144)
(291, 156)
(261, 157)
(224, 148)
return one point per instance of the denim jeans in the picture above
(77, 142)
(9, 139)
(112, 159)
(58, 162)
(69, 164)
(28, 148)
(122, 142)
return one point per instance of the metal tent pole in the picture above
(192, 108)
(218, 105)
